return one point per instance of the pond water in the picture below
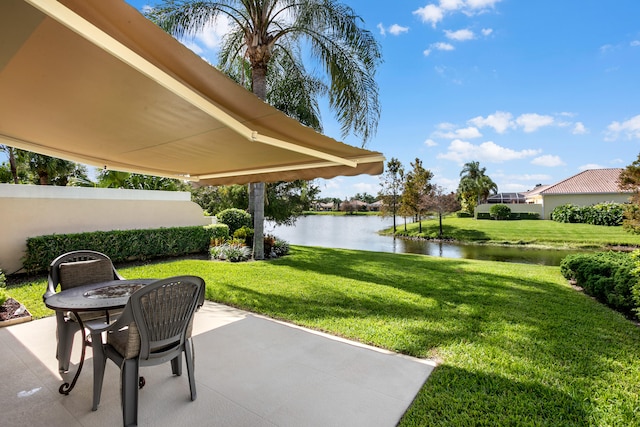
(360, 232)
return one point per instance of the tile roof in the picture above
(588, 182)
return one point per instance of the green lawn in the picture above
(541, 232)
(516, 344)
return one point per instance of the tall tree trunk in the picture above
(12, 164)
(259, 80)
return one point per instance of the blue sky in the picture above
(535, 90)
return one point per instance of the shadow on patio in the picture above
(250, 371)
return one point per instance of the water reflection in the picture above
(360, 232)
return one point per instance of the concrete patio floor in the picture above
(250, 371)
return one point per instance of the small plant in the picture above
(3, 292)
(233, 251)
(500, 211)
(245, 234)
(281, 248)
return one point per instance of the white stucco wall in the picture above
(35, 210)
(552, 201)
(515, 207)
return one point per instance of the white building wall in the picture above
(36, 210)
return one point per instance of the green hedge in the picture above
(122, 245)
(609, 214)
(512, 216)
(607, 276)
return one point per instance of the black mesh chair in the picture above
(154, 328)
(68, 271)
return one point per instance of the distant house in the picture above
(507, 198)
(586, 188)
(375, 206)
(324, 206)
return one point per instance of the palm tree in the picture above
(475, 186)
(269, 35)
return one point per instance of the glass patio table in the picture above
(102, 296)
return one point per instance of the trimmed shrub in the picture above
(234, 218)
(500, 211)
(607, 276)
(609, 214)
(635, 289)
(245, 234)
(120, 245)
(218, 231)
(463, 214)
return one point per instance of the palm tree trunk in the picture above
(259, 80)
(12, 164)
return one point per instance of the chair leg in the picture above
(99, 362)
(190, 358)
(65, 332)
(176, 365)
(129, 390)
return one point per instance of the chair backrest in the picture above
(162, 312)
(80, 268)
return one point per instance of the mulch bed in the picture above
(8, 310)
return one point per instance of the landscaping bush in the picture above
(500, 211)
(3, 292)
(120, 245)
(233, 251)
(635, 289)
(463, 214)
(607, 276)
(281, 248)
(235, 219)
(218, 231)
(609, 214)
(245, 234)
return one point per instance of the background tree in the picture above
(135, 181)
(17, 170)
(287, 200)
(269, 34)
(47, 170)
(441, 203)
(364, 197)
(391, 183)
(416, 187)
(630, 181)
(475, 186)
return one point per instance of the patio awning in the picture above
(95, 82)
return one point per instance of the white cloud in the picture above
(396, 29)
(481, 4)
(500, 121)
(460, 35)
(532, 122)
(606, 48)
(442, 46)
(487, 31)
(366, 187)
(461, 151)
(530, 177)
(547, 160)
(430, 143)
(464, 133)
(635, 43)
(438, 46)
(579, 129)
(430, 14)
(590, 166)
(629, 129)
(451, 4)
